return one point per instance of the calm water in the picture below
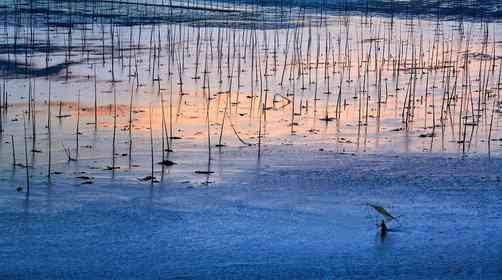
(284, 119)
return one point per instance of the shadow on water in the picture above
(17, 70)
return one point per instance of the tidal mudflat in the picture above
(243, 139)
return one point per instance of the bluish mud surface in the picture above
(297, 216)
(258, 14)
(474, 9)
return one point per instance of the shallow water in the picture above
(365, 110)
(301, 118)
(275, 219)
